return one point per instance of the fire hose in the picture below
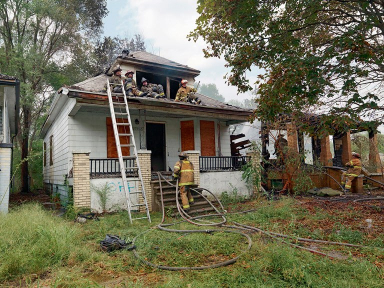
(196, 220)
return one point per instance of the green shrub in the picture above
(231, 197)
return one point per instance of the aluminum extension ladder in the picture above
(121, 109)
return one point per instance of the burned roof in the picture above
(149, 58)
(96, 85)
(6, 77)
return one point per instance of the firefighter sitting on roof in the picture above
(353, 171)
(153, 90)
(187, 94)
(183, 171)
(115, 81)
(130, 86)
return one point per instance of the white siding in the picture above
(225, 139)
(5, 166)
(61, 154)
(88, 133)
(219, 182)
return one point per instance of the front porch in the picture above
(216, 174)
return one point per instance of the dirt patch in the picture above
(17, 199)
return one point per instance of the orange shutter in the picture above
(111, 143)
(207, 138)
(187, 135)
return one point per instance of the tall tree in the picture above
(37, 39)
(107, 49)
(317, 55)
(211, 91)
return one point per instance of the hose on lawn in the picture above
(238, 226)
(192, 220)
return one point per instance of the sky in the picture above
(165, 25)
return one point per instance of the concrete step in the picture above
(194, 211)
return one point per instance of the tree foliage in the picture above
(38, 40)
(211, 91)
(318, 56)
(107, 49)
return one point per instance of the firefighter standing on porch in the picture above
(183, 171)
(353, 171)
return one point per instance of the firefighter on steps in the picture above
(353, 171)
(183, 171)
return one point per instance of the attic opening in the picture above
(159, 79)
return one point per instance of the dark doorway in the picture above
(175, 85)
(155, 134)
(152, 78)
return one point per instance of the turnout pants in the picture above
(186, 197)
(346, 179)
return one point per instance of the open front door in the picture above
(155, 135)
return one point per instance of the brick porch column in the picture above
(374, 157)
(194, 157)
(145, 166)
(325, 153)
(346, 154)
(81, 180)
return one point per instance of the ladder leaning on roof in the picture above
(121, 109)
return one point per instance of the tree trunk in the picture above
(24, 150)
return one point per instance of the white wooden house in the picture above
(9, 118)
(79, 124)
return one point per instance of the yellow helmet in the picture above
(183, 155)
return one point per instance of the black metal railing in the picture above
(222, 163)
(110, 167)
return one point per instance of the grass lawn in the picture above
(38, 249)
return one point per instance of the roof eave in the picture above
(188, 70)
(237, 115)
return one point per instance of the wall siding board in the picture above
(60, 130)
(5, 173)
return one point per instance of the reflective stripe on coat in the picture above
(355, 167)
(184, 170)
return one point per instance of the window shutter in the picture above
(207, 138)
(111, 143)
(187, 135)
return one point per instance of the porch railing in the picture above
(222, 163)
(110, 167)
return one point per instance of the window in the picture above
(207, 138)
(187, 135)
(45, 154)
(51, 150)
